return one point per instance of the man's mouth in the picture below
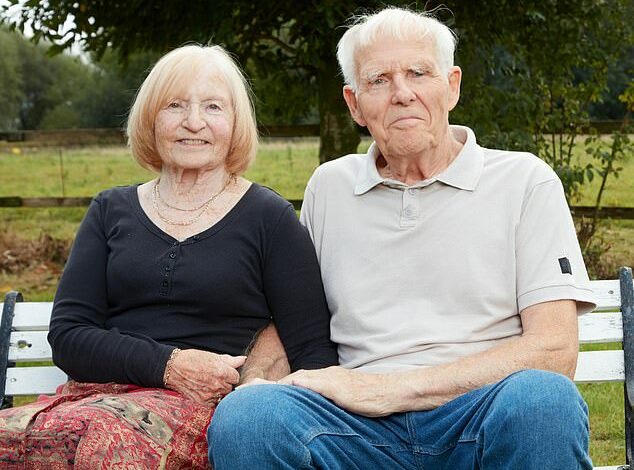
(406, 120)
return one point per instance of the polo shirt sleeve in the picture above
(549, 265)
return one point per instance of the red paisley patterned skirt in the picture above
(105, 426)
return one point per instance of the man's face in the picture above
(403, 98)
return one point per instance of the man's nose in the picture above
(402, 92)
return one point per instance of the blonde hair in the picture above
(396, 23)
(174, 72)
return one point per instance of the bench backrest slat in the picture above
(607, 294)
(33, 316)
(596, 327)
(29, 346)
(600, 366)
(34, 380)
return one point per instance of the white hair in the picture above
(396, 23)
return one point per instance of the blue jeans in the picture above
(530, 420)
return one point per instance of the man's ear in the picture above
(455, 78)
(351, 100)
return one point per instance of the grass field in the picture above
(283, 165)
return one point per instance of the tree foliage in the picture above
(64, 91)
(280, 39)
(531, 67)
(10, 81)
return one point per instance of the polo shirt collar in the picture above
(463, 173)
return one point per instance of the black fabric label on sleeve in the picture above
(564, 264)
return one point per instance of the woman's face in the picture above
(193, 130)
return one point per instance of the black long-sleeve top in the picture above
(130, 293)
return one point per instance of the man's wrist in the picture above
(250, 373)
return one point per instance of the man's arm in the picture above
(266, 358)
(549, 342)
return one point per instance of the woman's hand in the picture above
(204, 376)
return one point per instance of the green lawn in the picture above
(618, 191)
(284, 165)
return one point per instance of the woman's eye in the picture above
(212, 107)
(174, 105)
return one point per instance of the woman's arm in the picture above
(295, 294)
(81, 344)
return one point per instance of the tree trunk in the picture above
(338, 133)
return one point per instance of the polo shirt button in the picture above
(408, 211)
(411, 191)
(167, 268)
(172, 255)
(165, 283)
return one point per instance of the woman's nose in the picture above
(193, 118)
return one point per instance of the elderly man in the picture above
(454, 278)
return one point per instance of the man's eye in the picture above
(378, 81)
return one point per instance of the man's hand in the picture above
(364, 394)
(204, 376)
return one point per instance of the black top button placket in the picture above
(168, 269)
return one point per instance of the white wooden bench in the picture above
(24, 326)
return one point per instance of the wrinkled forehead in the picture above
(386, 54)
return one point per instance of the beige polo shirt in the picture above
(425, 274)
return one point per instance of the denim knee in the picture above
(543, 401)
(535, 419)
(253, 428)
(540, 390)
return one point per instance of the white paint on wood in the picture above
(34, 380)
(31, 315)
(607, 294)
(597, 327)
(600, 366)
(29, 346)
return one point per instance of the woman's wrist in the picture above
(168, 366)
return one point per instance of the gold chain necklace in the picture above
(203, 208)
(165, 203)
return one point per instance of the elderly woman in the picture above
(168, 283)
